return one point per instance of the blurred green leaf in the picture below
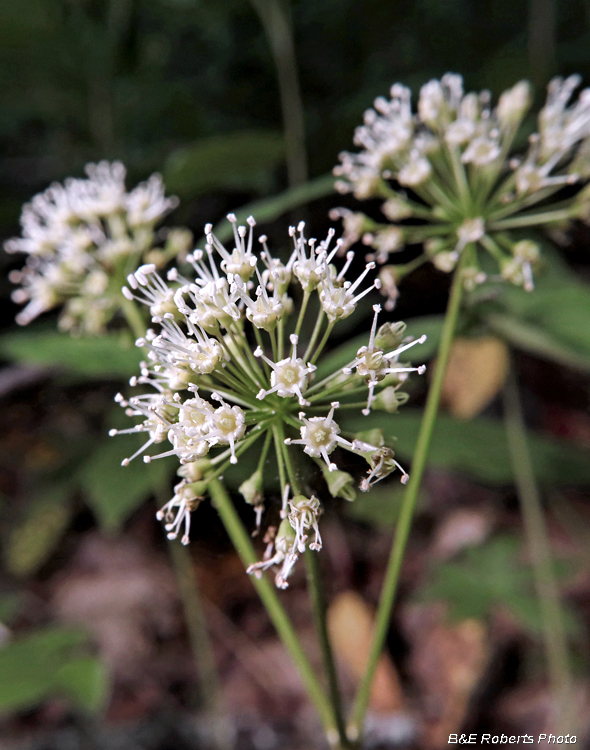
(489, 576)
(30, 666)
(113, 491)
(111, 355)
(85, 682)
(486, 577)
(9, 605)
(379, 506)
(431, 325)
(552, 322)
(33, 539)
(243, 160)
(535, 340)
(269, 209)
(477, 447)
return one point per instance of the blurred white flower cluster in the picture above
(82, 238)
(447, 178)
(228, 370)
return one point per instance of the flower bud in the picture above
(178, 242)
(389, 400)
(340, 483)
(514, 103)
(194, 471)
(390, 335)
(251, 489)
(397, 209)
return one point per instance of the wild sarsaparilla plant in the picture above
(233, 337)
(231, 362)
(450, 181)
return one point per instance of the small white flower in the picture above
(184, 502)
(289, 377)
(227, 426)
(481, 151)
(414, 172)
(471, 230)
(373, 365)
(338, 297)
(303, 518)
(319, 436)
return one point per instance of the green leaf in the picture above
(113, 491)
(85, 682)
(108, 356)
(29, 666)
(431, 325)
(486, 576)
(535, 340)
(552, 322)
(379, 506)
(33, 539)
(477, 447)
(269, 209)
(243, 160)
(489, 576)
(9, 606)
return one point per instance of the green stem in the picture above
(279, 617)
(322, 343)
(302, 309)
(540, 550)
(275, 20)
(200, 642)
(315, 334)
(133, 317)
(189, 594)
(318, 604)
(530, 220)
(409, 502)
(460, 178)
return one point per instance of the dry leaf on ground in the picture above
(476, 372)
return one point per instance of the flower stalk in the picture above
(402, 530)
(273, 606)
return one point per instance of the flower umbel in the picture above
(448, 179)
(228, 368)
(81, 238)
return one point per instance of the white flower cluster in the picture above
(81, 238)
(225, 360)
(291, 539)
(461, 189)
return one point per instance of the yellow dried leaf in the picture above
(350, 624)
(476, 372)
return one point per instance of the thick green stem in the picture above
(409, 502)
(279, 617)
(540, 550)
